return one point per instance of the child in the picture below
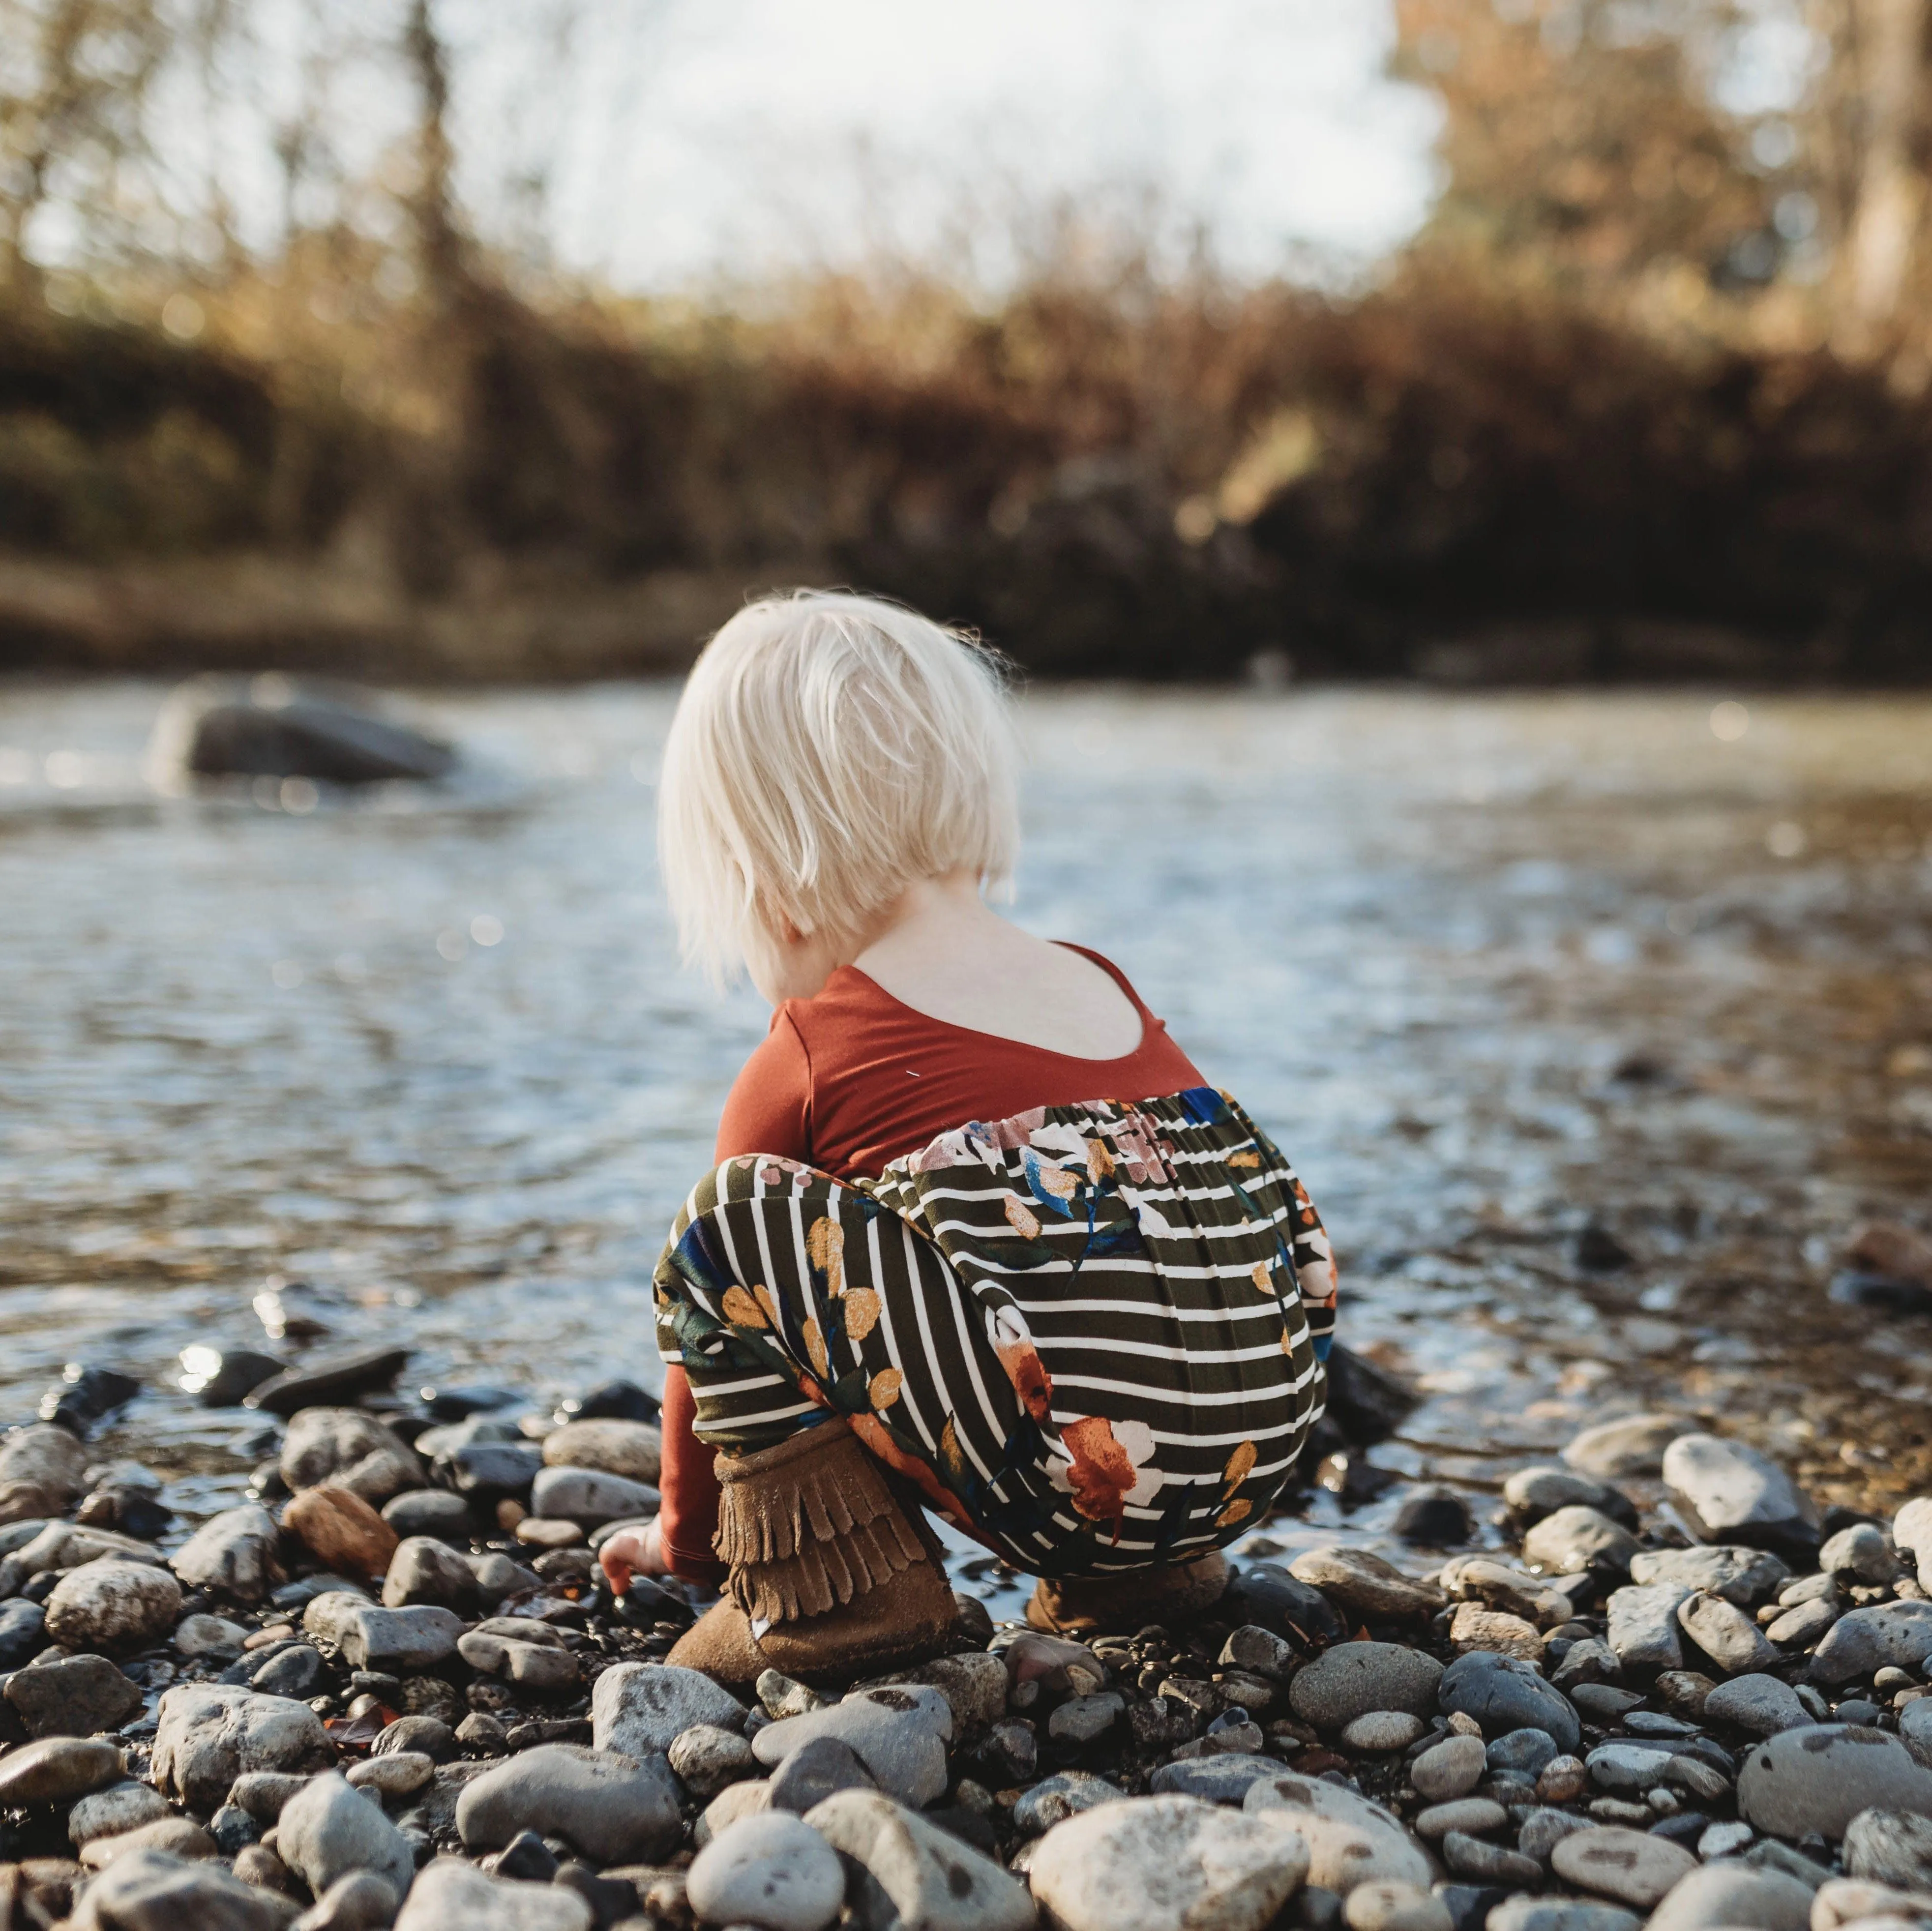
(979, 1236)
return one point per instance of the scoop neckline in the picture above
(1147, 1019)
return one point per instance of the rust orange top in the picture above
(848, 1079)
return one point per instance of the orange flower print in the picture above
(825, 1247)
(884, 1388)
(873, 1433)
(1012, 1343)
(1021, 1219)
(1105, 1474)
(742, 1311)
(861, 1314)
(814, 1347)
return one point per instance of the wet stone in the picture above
(57, 1770)
(588, 1496)
(1365, 1587)
(1819, 1779)
(1804, 1622)
(1222, 1778)
(340, 1529)
(818, 1769)
(1503, 1694)
(771, 1870)
(1631, 1445)
(638, 1709)
(1891, 1847)
(1728, 1894)
(612, 1808)
(1542, 1830)
(1731, 1493)
(1489, 1863)
(1862, 1641)
(428, 1512)
(1533, 1493)
(1761, 1705)
(632, 1449)
(120, 1807)
(1269, 1597)
(114, 1605)
(1632, 1866)
(1739, 1574)
(1162, 1864)
(349, 1449)
(214, 1638)
(1526, 1752)
(73, 1696)
(295, 1670)
(1352, 1679)
(428, 1737)
(236, 1554)
(1576, 1539)
(1449, 1769)
(1725, 1634)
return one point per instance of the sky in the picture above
(684, 142)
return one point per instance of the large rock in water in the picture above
(269, 727)
(1731, 1493)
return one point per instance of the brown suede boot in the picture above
(830, 1577)
(1128, 1600)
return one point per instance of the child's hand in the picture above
(632, 1552)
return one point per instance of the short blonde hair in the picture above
(829, 750)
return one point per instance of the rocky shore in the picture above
(392, 1690)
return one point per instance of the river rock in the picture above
(1729, 1892)
(149, 1889)
(1845, 1901)
(1641, 1626)
(209, 1733)
(340, 1529)
(1632, 1866)
(1891, 1847)
(328, 1829)
(1576, 1539)
(1763, 1705)
(1806, 1621)
(1862, 1641)
(1739, 1574)
(640, 1709)
(1084, 1719)
(772, 1870)
(235, 1553)
(1484, 1863)
(490, 1472)
(1474, 1627)
(1382, 1732)
(1819, 1778)
(815, 1770)
(338, 1377)
(359, 1901)
(1915, 1729)
(1731, 1493)
(1497, 1585)
(1350, 1841)
(1631, 1445)
(1543, 1829)
(262, 1793)
(1626, 1768)
(68, 1545)
(1473, 1816)
(1266, 1595)
(393, 1773)
(1395, 1907)
(1531, 1494)
(350, 1449)
(1351, 1679)
(497, 1576)
(1863, 1553)
(705, 1758)
(1165, 1864)
(634, 1449)
(450, 1895)
(49, 1458)
(974, 1684)
(902, 1748)
(735, 1800)
(1448, 1770)
(1912, 1531)
(425, 1569)
(111, 1812)
(1559, 1914)
(1364, 1587)
(533, 1665)
(1503, 1694)
(403, 1642)
(23, 1633)
(1725, 1634)
(613, 1808)
(588, 1496)
(114, 1605)
(429, 1511)
(57, 1770)
(72, 1696)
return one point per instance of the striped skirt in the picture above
(1091, 1336)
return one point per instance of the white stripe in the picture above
(745, 1387)
(1152, 1350)
(1261, 1307)
(771, 1414)
(1140, 1390)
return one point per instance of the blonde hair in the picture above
(829, 750)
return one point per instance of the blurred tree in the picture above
(75, 79)
(1582, 137)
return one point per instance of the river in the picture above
(1493, 969)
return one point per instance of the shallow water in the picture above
(1491, 968)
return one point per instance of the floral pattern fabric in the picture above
(1092, 1336)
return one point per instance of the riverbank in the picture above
(1674, 1691)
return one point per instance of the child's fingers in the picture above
(621, 1556)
